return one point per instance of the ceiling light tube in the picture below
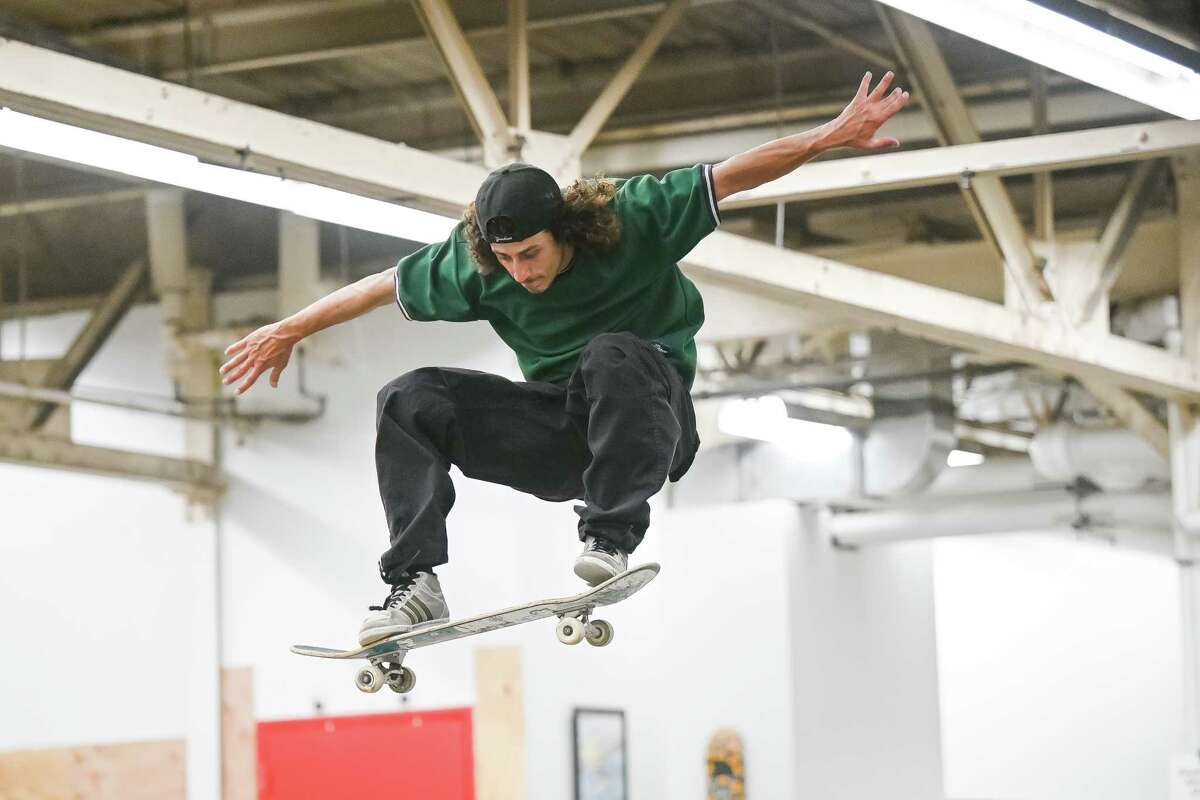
(1068, 46)
(126, 157)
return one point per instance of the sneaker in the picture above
(600, 560)
(415, 602)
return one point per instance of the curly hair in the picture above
(589, 222)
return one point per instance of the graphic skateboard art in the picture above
(386, 657)
(726, 767)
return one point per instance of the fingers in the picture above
(235, 347)
(275, 376)
(882, 143)
(863, 87)
(246, 384)
(233, 375)
(882, 88)
(234, 362)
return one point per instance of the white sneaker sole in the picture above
(377, 634)
(594, 571)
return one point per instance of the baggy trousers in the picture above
(621, 426)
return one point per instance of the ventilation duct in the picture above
(1115, 459)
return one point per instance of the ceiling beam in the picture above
(519, 92)
(1025, 285)
(985, 194)
(43, 451)
(946, 165)
(308, 56)
(794, 19)
(821, 285)
(468, 79)
(176, 23)
(1118, 231)
(64, 85)
(41, 205)
(593, 120)
(80, 92)
(91, 338)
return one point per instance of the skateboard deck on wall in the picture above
(726, 766)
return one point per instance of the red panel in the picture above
(411, 756)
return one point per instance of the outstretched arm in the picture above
(270, 347)
(855, 127)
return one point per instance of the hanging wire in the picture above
(22, 262)
(188, 60)
(780, 208)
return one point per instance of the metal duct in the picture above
(1115, 459)
(905, 447)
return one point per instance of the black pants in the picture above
(612, 436)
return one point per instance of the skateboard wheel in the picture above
(570, 630)
(401, 681)
(598, 633)
(369, 679)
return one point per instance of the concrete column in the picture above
(186, 298)
(1185, 450)
(299, 261)
(865, 669)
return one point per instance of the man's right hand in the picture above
(268, 348)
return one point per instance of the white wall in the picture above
(823, 659)
(865, 670)
(1060, 668)
(105, 562)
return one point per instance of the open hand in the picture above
(268, 348)
(858, 123)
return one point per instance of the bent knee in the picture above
(418, 384)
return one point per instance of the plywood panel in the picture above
(238, 740)
(499, 724)
(135, 771)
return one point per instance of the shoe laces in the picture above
(399, 594)
(604, 546)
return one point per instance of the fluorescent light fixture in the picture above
(114, 154)
(766, 419)
(1065, 45)
(962, 458)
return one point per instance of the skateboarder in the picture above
(584, 287)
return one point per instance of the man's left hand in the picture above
(858, 123)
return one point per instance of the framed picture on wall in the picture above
(600, 762)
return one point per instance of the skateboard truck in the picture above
(387, 669)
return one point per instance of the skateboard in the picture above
(386, 657)
(726, 768)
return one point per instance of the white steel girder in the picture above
(81, 92)
(955, 163)
(985, 194)
(998, 217)
(467, 77)
(819, 284)
(184, 475)
(519, 90)
(197, 121)
(602, 108)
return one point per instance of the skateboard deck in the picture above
(386, 656)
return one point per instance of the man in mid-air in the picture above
(584, 286)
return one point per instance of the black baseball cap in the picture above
(515, 202)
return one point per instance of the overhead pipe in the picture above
(1141, 519)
